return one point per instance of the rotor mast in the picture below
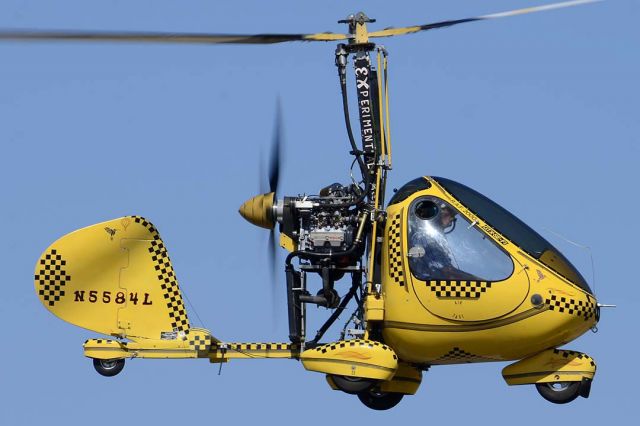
(371, 89)
(368, 94)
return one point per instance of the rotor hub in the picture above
(356, 19)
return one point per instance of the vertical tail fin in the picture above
(114, 278)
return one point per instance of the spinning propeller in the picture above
(275, 161)
(259, 209)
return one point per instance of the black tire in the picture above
(108, 367)
(352, 385)
(377, 400)
(559, 392)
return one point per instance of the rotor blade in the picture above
(417, 28)
(276, 151)
(141, 37)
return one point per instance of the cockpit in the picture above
(444, 245)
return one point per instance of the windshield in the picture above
(515, 230)
(444, 245)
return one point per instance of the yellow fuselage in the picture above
(449, 321)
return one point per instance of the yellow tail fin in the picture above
(114, 278)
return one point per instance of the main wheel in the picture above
(352, 385)
(559, 392)
(377, 400)
(108, 367)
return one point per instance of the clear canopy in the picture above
(515, 230)
(493, 214)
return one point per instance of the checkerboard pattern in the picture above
(52, 277)
(579, 355)
(459, 289)
(103, 342)
(458, 356)
(200, 343)
(396, 269)
(352, 344)
(248, 347)
(290, 350)
(167, 278)
(582, 308)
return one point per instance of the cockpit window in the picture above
(515, 230)
(409, 188)
(444, 245)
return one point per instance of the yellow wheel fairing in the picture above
(551, 366)
(114, 278)
(406, 381)
(352, 358)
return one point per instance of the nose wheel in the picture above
(377, 400)
(108, 367)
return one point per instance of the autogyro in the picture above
(439, 275)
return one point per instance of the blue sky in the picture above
(538, 112)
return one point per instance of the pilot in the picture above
(447, 218)
(430, 254)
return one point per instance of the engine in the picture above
(320, 224)
(326, 234)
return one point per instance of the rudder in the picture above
(114, 278)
